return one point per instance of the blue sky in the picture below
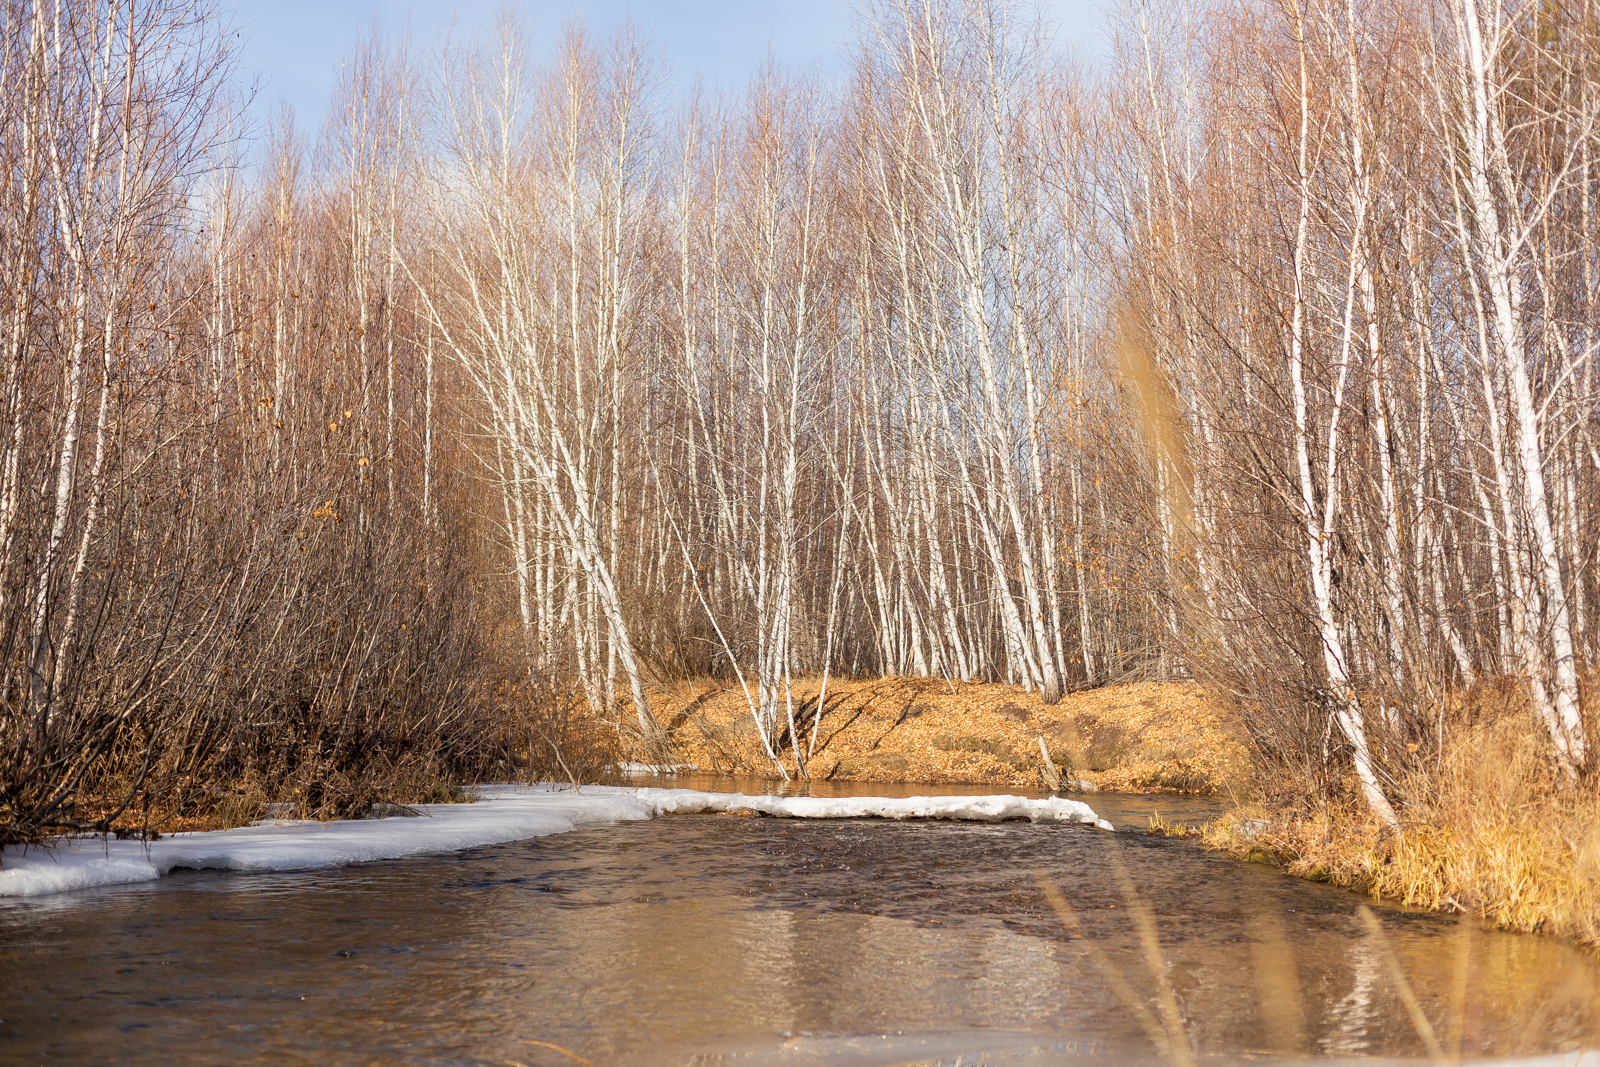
(293, 47)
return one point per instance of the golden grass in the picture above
(1489, 828)
(1148, 736)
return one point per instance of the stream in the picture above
(709, 939)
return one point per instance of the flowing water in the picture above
(715, 940)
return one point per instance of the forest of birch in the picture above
(1256, 351)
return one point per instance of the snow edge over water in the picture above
(500, 814)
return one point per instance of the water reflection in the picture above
(707, 939)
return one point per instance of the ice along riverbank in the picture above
(498, 814)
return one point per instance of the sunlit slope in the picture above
(1149, 735)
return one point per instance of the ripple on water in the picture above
(709, 939)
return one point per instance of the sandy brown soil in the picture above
(1148, 736)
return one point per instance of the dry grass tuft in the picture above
(1488, 828)
(1143, 737)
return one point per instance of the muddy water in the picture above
(717, 940)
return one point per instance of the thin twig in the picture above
(558, 1048)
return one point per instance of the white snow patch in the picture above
(500, 814)
(969, 809)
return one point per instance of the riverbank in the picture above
(1488, 828)
(1148, 736)
(1532, 872)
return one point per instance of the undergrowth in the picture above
(1488, 827)
(538, 728)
